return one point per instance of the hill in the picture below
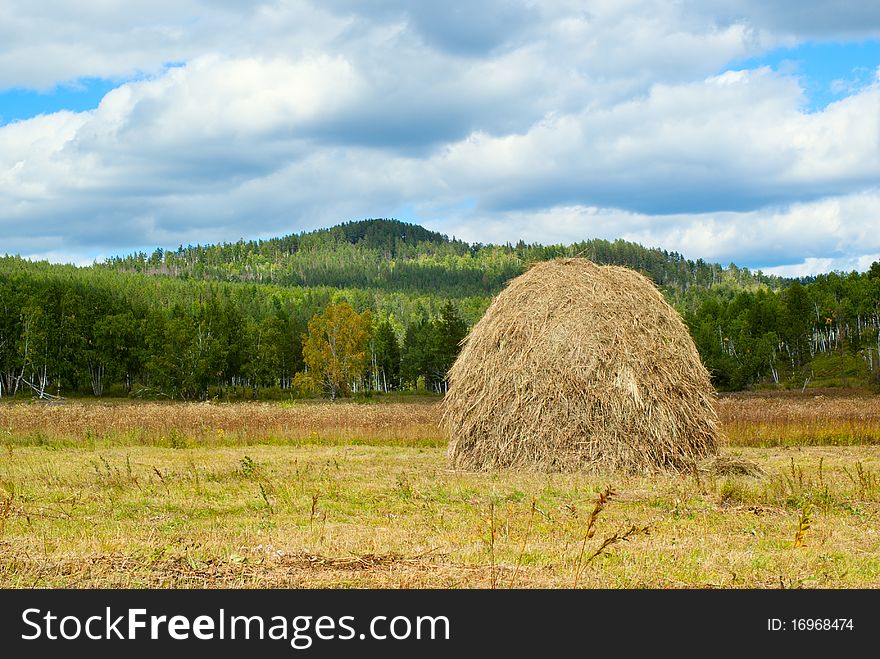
(230, 318)
(390, 255)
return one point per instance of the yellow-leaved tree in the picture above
(335, 348)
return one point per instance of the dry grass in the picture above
(387, 512)
(98, 424)
(813, 418)
(829, 417)
(395, 516)
(362, 516)
(577, 366)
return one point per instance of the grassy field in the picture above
(117, 494)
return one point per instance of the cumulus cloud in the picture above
(54, 41)
(456, 26)
(812, 266)
(824, 234)
(730, 142)
(806, 18)
(553, 122)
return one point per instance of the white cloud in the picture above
(53, 41)
(838, 229)
(840, 232)
(730, 142)
(561, 122)
(815, 266)
(807, 18)
(220, 99)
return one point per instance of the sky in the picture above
(743, 131)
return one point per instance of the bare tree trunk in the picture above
(24, 359)
(96, 375)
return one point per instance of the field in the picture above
(138, 494)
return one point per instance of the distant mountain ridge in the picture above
(391, 255)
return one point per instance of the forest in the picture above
(381, 305)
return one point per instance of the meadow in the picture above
(346, 494)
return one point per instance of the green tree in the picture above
(416, 357)
(10, 328)
(386, 351)
(182, 354)
(33, 349)
(448, 331)
(264, 357)
(796, 323)
(118, 346)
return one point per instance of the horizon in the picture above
(744, 133)
(181, 247)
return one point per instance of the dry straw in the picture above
(578, 366)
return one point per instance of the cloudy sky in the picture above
(729, 130)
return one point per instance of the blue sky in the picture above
(731, 131)
(827, 70)
(22, 103)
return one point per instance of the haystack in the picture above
(576, 366)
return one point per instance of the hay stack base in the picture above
(576, 366)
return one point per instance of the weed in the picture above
(5, 511)
(110, 518)
(805, 521)
(314, 510)
(175, 439)
(731, 490)
(867, 481)
(601, 501)
(491, 538)
(617, 537)
(194, 470)
(266, 499)
(522, 548)
(404, 487)
(162, 480)
(248, 466)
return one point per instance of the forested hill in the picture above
(390, 255)
(197, 321)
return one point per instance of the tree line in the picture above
(67, 330)
(389, 255)
(828, 328)
(133, 326)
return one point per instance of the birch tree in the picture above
(335, 349)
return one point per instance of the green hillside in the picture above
(390, 255)
(229, 319)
